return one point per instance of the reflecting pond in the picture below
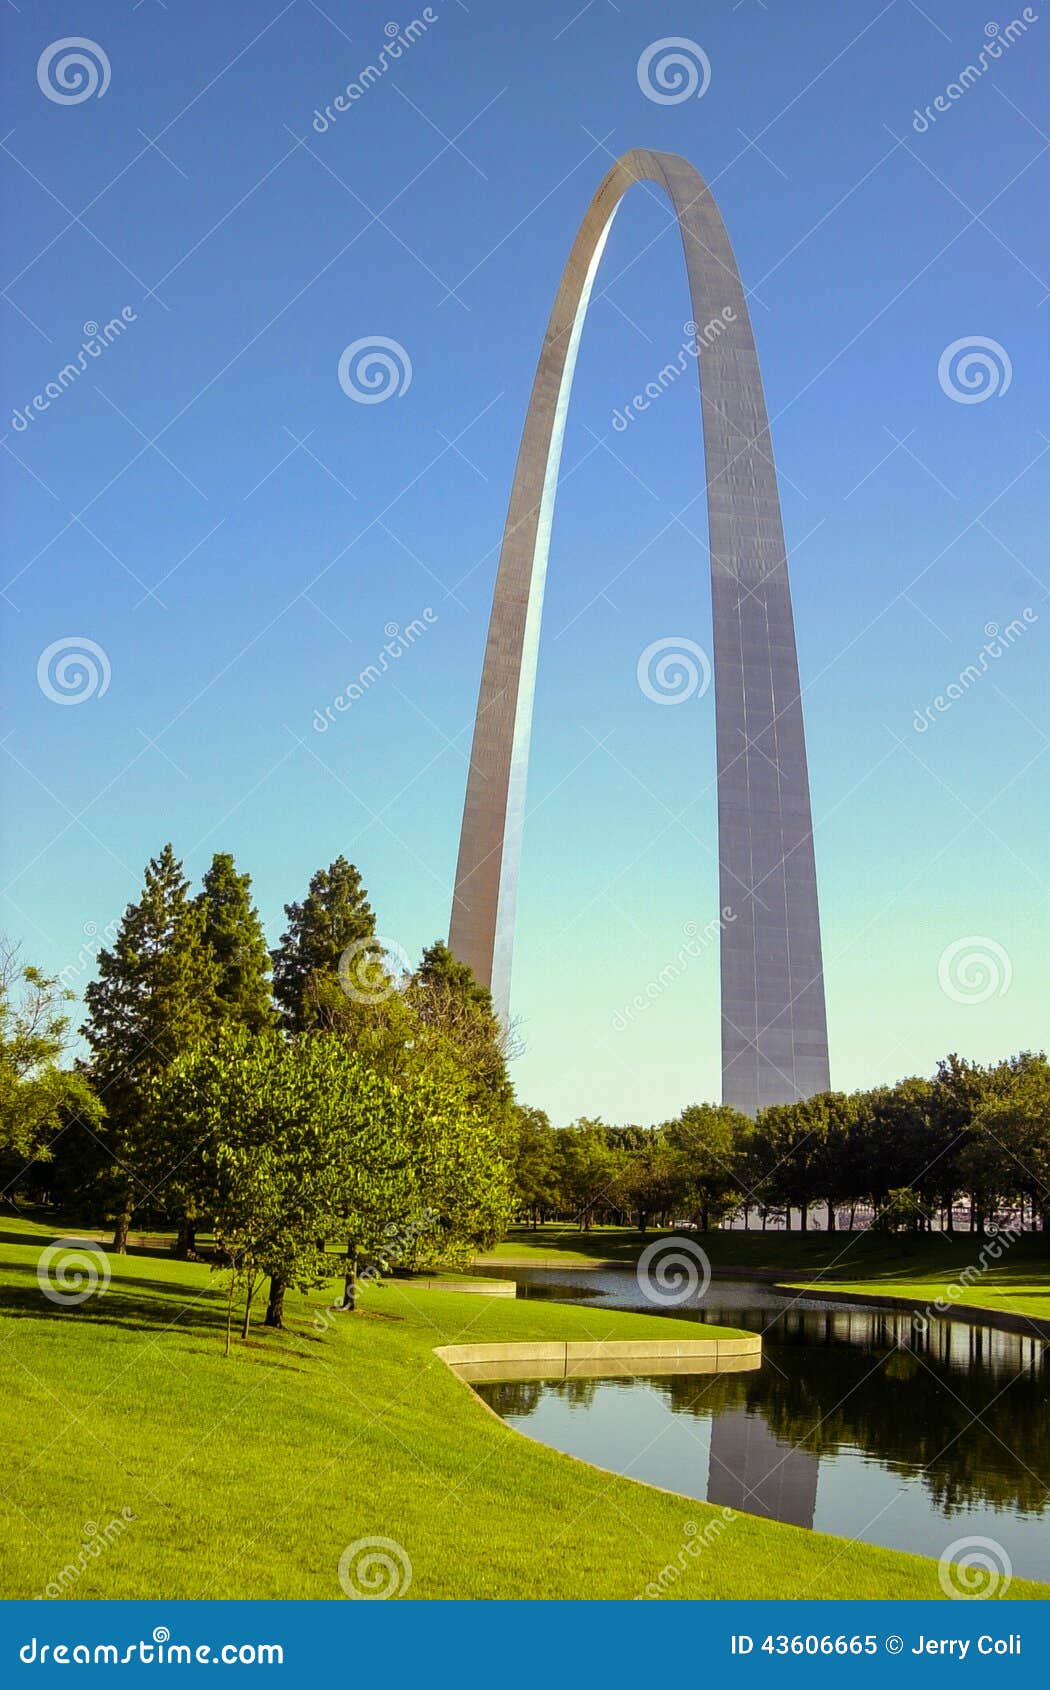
(861, 1421)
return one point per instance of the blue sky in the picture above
(207, 505)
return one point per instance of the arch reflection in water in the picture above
(859, 1423)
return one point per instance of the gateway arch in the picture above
(774, 1028)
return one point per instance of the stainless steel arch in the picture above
(774, 1030)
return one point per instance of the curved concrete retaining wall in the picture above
(470, 1287)
(483, 1363)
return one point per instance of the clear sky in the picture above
(206, 504)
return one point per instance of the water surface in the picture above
(861, 1421)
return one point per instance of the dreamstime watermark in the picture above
(697, 941)
(158, 1650)
(375, 368)
(374, 1569)
(370, 968)
(973, 369)
(73, 70)
(397, 41)
(697, 1539)
(975, 1569)
(673, 1271)
(674, 669)
(673, 70)
(95, 1541)
(696, 341)
(87, 955)
(96, 338)
(71, 1270)
(998, 40)
(397, 1241)
(398, 641)
(999, 640)
(991, 1251)
(72, 670)
(974, 969)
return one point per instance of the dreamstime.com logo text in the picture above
(991, 1252)
(96, 338)
(697, 941)
(397, 41)
(398, 641)
(998, 642)
(996, 44)
(697, 1539)
(87, 955)
(695, 342)
(159, 1650)
(95, 1541)
(397, 1241)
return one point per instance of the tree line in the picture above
(966, 1147)
(286, 1101)
(278, 1101)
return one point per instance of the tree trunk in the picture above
(350, 1280)
(275, 1306)
(120, 1229)
(705, 1218)
(249, 1293)
(831, 1217)
(804, 1213)
(184, 1247)
(852, 1216)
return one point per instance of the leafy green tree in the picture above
(786, 1149)
(1007, 1155)
(535, 1171)
(708, 1140)
(39, 1099)
(588, 1170)
(292, 1142)
(654, 1182)
(448, 998)
(334, 915)
(154, 998)
(901, 1212)
(233, 932)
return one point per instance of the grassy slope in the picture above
(250, 1476)
(916, 1268)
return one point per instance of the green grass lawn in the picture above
(919, 1268)
(249, 1476)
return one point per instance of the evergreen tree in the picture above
(334, 915)
(449, 999)
(234, 934)
(154, 998)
